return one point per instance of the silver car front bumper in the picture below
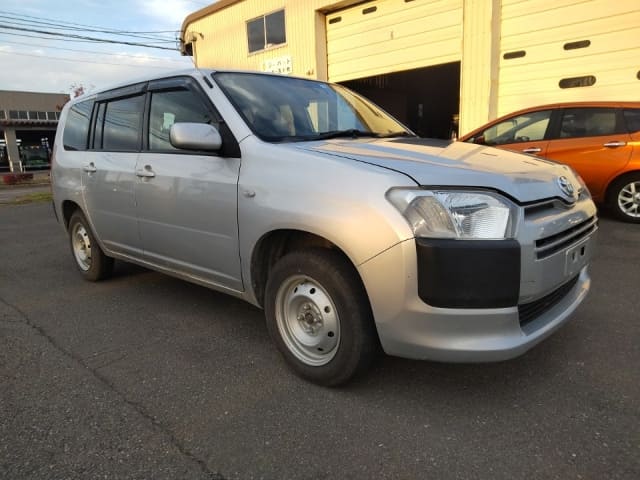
(408, 327)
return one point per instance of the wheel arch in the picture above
(628, 209)
(68, 207)
(275, 244)
(609, 190)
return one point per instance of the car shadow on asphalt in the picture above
(392, 375)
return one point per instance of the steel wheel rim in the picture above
(81, 244)
(307, 320)
(629, 199)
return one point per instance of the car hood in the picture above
(440, 163)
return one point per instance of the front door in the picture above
(186, 200)
(524, 133)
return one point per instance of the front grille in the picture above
(530, 311)
(547, 246)
(546, 207)
(540, 208)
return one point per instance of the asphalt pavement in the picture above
(148, 377)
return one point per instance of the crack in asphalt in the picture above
(105, 381)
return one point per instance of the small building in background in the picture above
(433, 64)
(28, 122)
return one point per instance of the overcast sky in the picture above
(47, 65)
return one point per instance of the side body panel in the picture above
(596, 159)
(109, 199)
(187, 215)
(335, 198)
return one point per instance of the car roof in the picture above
(555, 106)
(175, 73)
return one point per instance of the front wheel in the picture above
(318, 315)
(624, 198)
(93, 264)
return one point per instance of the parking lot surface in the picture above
(148, 377)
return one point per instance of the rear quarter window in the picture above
(632, 119)
(76, 128)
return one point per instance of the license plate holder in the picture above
(576, 258)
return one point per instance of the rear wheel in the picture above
(624, 198)
(93, 264)
(319, 316)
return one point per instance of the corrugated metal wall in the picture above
(401, 35)
(225, 37)
(479, 69)
(609, 36)
(387, 36)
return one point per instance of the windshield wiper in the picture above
(347, 133)
(350, 133)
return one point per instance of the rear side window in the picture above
(632, 118)
(589, 122)
(123, 124)
(76, 128)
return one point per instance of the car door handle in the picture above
(145, 172)
(532, 150)
(90, 168)
(614, 144)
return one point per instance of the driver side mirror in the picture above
(479, 140)
(195, 136)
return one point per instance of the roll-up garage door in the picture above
(568, 50)
(386, 36)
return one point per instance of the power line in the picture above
(88, 51)
(83, 37)
(24, 35)
(64, 22)
(47, 32)
(10, 20)
(82, 61)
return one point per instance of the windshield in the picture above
(289, 109)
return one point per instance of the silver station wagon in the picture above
(309, 201)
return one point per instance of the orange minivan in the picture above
(600, 140)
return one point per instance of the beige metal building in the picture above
(28, 122)
(425, 61)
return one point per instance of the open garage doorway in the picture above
(35, 148)
(427, 99)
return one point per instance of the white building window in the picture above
(266, 31)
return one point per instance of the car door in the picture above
(524, 133)
(187, 200)
(595, 142)
(109, 169)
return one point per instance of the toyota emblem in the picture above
(566, 186)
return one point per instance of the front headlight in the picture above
(465, 215)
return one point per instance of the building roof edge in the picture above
(198, 14)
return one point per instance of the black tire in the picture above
(624, 198)
(91, 261)
(326, 281)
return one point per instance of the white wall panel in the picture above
(397, 36)
(541, 28)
